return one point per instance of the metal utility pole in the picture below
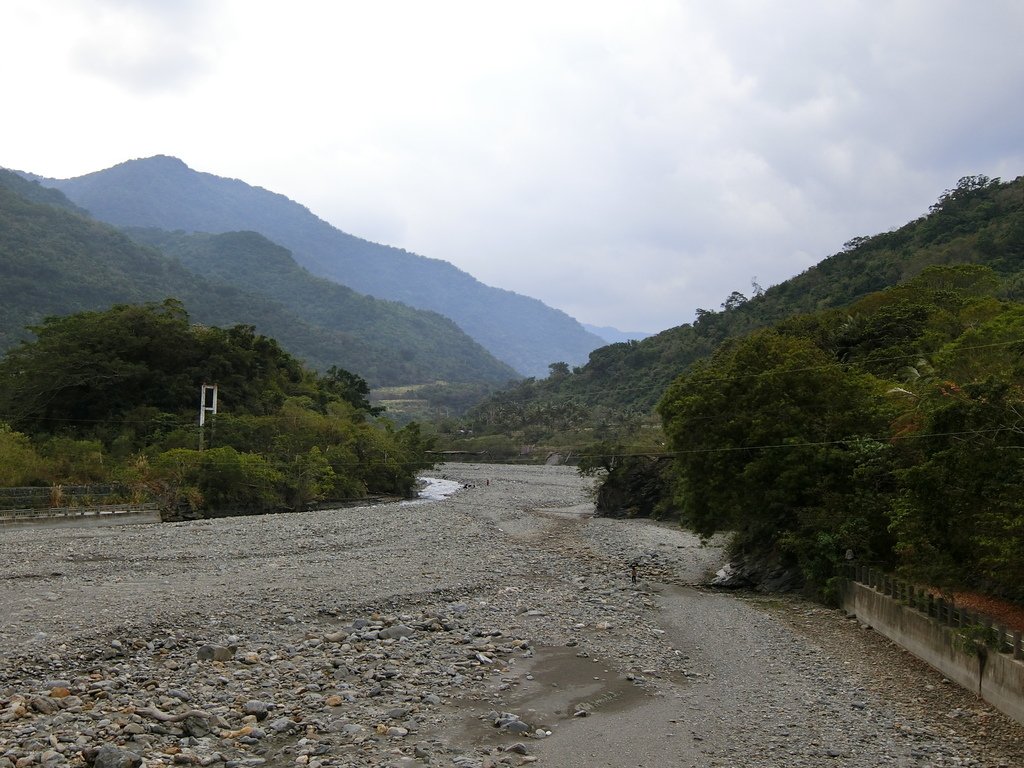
(207, 404)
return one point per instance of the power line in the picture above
(581, 453)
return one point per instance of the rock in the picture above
(43, 704)
(763, 573)
(729, 577)
(197, 726)
(362, 694)
(109, 756)
(516, 726)
(215, 653)
(396, 632)
(259, 709)
(282, 725)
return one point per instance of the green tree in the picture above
(74, 461)
(558, 370)
(769, 435)
(959, 520)
(95, 368)
(349, 388)
(309, 478)
(19, 462)
(219, 478)
(87, 368)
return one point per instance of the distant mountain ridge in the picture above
(56, 261)
(163, 192)
(614, 335)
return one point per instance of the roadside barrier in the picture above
(967, 647)
(944, 611)
(58, 514)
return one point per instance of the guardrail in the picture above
(946, 612)
(41, 497)
(102, 510)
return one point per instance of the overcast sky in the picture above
(626, 162)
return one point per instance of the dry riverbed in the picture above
(497, 627)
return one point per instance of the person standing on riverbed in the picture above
(632, 571)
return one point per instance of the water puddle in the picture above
(546, 691)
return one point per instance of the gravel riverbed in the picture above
(497, 627)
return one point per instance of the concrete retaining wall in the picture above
(996, 677)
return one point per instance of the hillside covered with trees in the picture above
(893, 428)
(54, 261)
(980, 221)
(162, 192)
(113, 397)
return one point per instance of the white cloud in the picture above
(144, 46)
(627, 163)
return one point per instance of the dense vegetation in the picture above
(892, 429)
(53, 260)
(113, 396)
(163, 192)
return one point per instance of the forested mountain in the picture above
(247, 260)
(55, 261)
(981, 221)
(34, 192)
(164, 193)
